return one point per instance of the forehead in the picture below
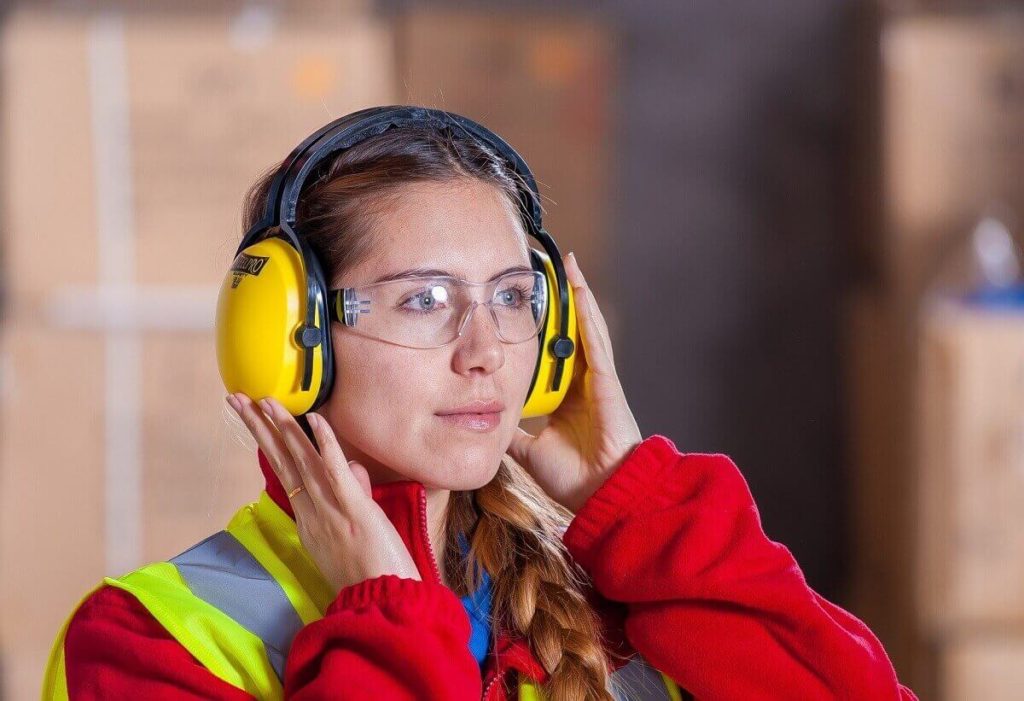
(467, 228)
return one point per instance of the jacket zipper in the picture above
(487, 690)
(426, 534)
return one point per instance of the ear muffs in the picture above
(272, 327)
(261, 317)
(542, 398)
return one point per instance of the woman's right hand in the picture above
(348, 535)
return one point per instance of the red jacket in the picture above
(682, 571)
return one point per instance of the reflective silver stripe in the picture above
(638, 681)
(221, 572)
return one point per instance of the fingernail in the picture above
(233, 401)
(267, 408)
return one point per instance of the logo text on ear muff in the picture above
(246, 265)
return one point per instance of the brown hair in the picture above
(513, 528)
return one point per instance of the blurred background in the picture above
(801, 219)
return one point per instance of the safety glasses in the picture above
(430, 312)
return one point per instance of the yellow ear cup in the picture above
(262, 304)
(542, 400)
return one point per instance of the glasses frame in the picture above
(346, 304)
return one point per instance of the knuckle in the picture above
(303, 464)
(308, 535)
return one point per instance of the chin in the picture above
(468, 471)
(463, 460)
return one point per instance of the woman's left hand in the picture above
(593, 429)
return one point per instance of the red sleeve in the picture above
(386, 638)
(711, 601)
(115, 649)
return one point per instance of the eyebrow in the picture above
(434, 272)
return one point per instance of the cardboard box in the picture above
(52, 518)
(199, 460)
(49, 207)
(953, 134)
(983, 667)
(163, 122)
(211, 110)
(970, 471)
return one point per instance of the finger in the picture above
(363, 477)
(594, 344)
(269, 441)
(303, 455)
(519, 448)
(341, 477)
(582, 280)
(597, 314)
(579, 367)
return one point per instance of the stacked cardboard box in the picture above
(970, 485)
(129, 139)
(971, 414)
(938, 571)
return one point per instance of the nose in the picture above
(478, 344)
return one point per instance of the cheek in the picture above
(523, 362)
(379, 387)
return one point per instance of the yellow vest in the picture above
(237, 599)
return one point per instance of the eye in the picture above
(428, 300)
(513, 296)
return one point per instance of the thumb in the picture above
(519, 448)
(362, 477)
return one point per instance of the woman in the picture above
(445, 552)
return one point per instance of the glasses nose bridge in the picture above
(466, 315)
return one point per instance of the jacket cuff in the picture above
(390, 590)
(631, 485)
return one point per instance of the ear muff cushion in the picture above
(542, 399)
(262, 303)
(324, 350)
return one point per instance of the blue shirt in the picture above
(478, 607)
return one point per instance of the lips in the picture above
(479, 406)
(481, 415)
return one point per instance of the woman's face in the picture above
(385, 399)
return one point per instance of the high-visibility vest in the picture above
(237, 599)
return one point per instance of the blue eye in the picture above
(430, 298)
(514, 296)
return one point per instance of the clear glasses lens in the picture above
(428, 312)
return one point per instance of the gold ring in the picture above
(295, 491)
